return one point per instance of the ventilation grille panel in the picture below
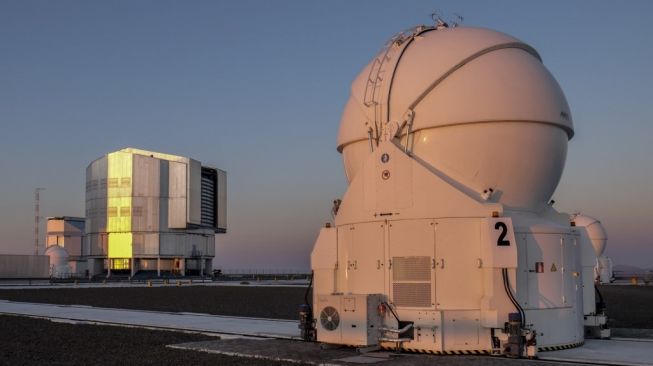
(411, 282)
(208, 199)
(416, 295)
(411, 269)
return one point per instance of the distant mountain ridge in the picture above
(629, 269)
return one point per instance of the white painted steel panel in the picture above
(151, 245)
(145, 244)
(557, 326)
(571, 271)
(458, 274)
(146, 176)
(210, 246)
(520, 281)
(145, 213)
(462, 331)
(177, 191)
(360, 319)
(324, 261)
(98, 244)
(194, 193)
(394, 190)
(498, 245)
(172, 244)
(545, 289)
(354, 245)
(428, 328)
(365, 261)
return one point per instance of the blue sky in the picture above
(257, 88)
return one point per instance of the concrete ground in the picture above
(313, 354)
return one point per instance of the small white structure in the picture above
(596, 234)
(604, 270)
(453, 141)
(68, 233)
(59, 267)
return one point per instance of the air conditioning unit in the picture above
(351, 319)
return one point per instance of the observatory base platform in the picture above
(275, 339)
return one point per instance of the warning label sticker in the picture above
(553, 267)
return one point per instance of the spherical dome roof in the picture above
(453, 76)
(479, 105)
(58, 255)
(595, 231)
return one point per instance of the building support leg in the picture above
(158, 266)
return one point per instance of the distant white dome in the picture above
(58, 260)
(595, 231)
(486, 112)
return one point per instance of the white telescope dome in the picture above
(485, 112)
(58, 255)
(58, 261)
(595, 231)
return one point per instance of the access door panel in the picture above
(363, 259)
(459, 274)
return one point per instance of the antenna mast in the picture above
(37, 219)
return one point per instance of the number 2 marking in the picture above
(502, 237)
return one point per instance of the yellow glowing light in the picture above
(120, 245)
(119, 192)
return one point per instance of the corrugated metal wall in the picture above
(194, 200)
(24, 266)
(176, 195)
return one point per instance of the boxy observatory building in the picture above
(453, 142)
(148, 211)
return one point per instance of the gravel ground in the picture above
(629, 306)
(28, 341)
(261, 302)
